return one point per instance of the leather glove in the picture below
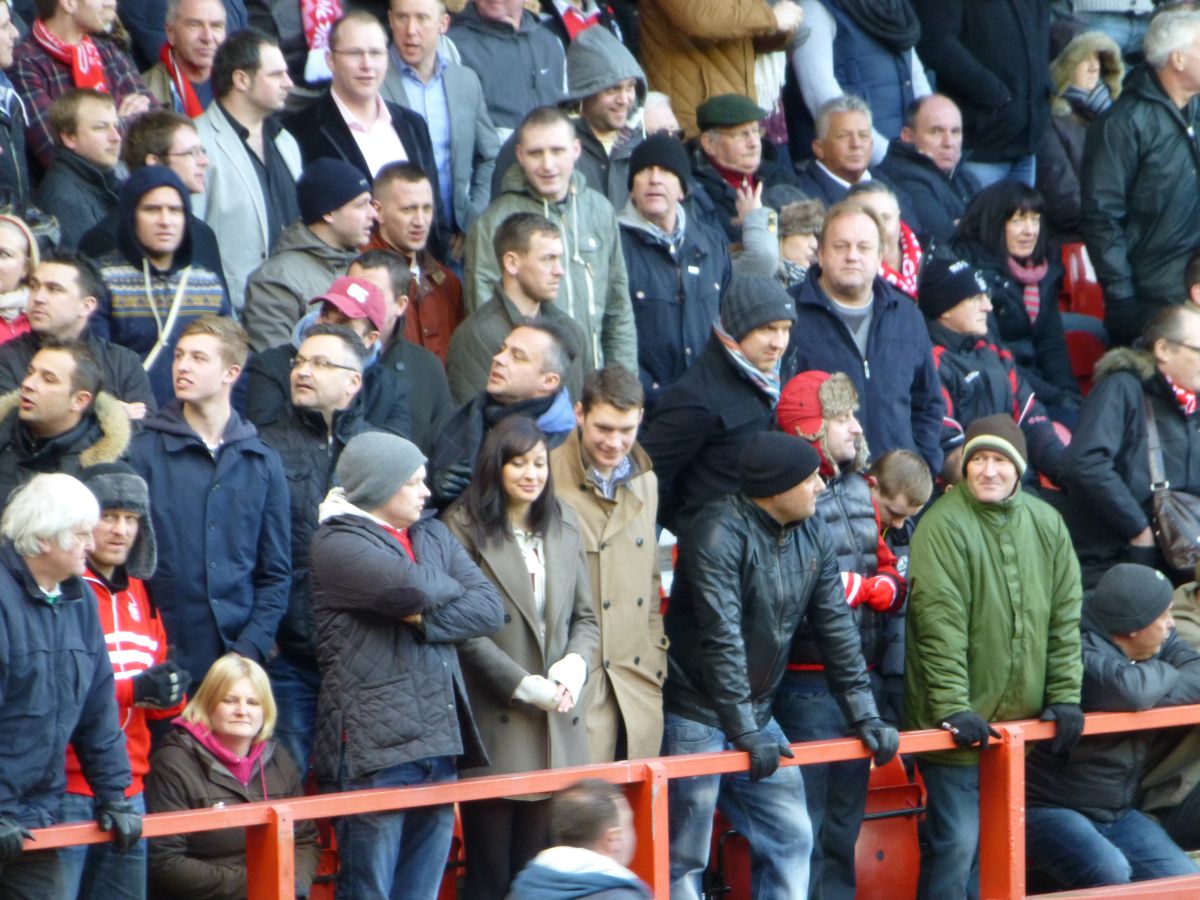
(451, 481)
(161, 686)
(880, 738)
(119, 817)
(12, 839)
(764, 753)
(881, 593)
(1069, 717)
(969, 728)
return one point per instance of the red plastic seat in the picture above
(1085, 350)
(1084, 293)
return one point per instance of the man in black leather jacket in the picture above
(754, 565)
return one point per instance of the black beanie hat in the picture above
(1129, 597)
(773, 462)
(664, 151)
(945, 283)
(328, 184)
(998, 433)
(752, 301)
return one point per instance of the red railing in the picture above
(269, 826)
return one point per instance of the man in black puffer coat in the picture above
(1141, 183)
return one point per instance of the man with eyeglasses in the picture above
(731, 161)
(325, 411)
(351, 302)
(1106, 471)
(351, 121)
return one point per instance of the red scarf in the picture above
(402, 538)
(910, 262)
(318, 17)
(87, 68)
(191, 103)
(735, 180)
(577, 22)
(1185, 398)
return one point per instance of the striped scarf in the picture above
(766, 382)
(1029, 276)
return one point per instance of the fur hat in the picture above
(811, 398)
(117, 486)
(1112, 68)
(801, 217)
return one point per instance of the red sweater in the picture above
(136, 641)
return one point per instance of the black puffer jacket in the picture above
(700, 425)
(745, 584)
(393, 692)
(1037, 345)
(1099, 778)
(309, 455)
(1141, 202)
(1106, 472)
(980, 379)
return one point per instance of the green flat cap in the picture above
(727, 110)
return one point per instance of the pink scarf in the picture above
(240, 767)
(87, 68)
(1029, 276)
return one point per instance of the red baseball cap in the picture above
(357, 298)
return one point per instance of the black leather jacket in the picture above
(745, 584)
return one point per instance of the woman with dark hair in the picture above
(524, 683)
(1001, 235)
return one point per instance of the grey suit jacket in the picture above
(232, 203)
(473, 139)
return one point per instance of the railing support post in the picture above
(1002, 833)
(648, 799)
(271, 857)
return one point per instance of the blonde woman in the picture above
(18, 258)
(219, 754)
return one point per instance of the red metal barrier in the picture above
(269, 826)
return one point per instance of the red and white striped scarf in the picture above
(87, 68)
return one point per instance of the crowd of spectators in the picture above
(360, 358)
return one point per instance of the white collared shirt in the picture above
(379, 143)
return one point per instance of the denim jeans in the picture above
(1079, 852)
(950, 855)
(988, 173)
(396, 855)
(770, 814)
(835, 793)
(100, 871)
(296, 689)
(1128, 31)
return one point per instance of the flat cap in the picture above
(727, 110)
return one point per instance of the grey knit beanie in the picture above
(1129, 597)
(374, 465)
(752, 301)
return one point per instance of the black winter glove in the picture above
(451, 481)
(880, 738)
(1069, 717)
(969, 728)
(12, 839)
(161, 686)
(764, 753)
(119, 817)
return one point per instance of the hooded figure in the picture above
(154, 287)
(1079, 98)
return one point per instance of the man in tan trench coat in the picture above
(606, 478)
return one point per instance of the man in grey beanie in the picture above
(393, 594)
(1083, 823)
(757, 563)
(702, 421)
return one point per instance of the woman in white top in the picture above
(524, 682)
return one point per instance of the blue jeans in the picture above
(1079, 852)
(1128, 31)
(296, 689)
(396, 855)
(835, 793)
(770, 814)
(987, 173)
(100, 871)
(950, 856)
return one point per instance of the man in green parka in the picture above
(992, 635)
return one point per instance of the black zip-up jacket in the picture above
(1099, 778)
(745, 584)
(939, 199)
(1141, 201)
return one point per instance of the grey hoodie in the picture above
(277, 293)
(594, 290)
